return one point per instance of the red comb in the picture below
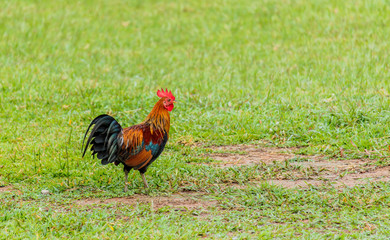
(167, 94)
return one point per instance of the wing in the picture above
(141, 145)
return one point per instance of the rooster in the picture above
(136, 147)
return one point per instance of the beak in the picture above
(174, 101)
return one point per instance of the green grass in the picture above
(312, 74)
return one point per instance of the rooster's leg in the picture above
(126, 175)
(143, 178)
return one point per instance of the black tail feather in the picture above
(90, 125)
(103, 138)
(99, 139)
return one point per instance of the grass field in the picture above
(311, 77)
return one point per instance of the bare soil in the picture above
(315, 170)
(5, 189)
(181, 202)
(233, 155)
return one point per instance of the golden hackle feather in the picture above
(132, 138)
(159, 118)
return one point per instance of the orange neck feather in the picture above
(159, 118)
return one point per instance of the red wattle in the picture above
(169, 107)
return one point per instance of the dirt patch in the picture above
(376, 175)
(6, 189)
(337, 173)
(304, 171)
(296, 183)
(238, 155)
(181, 201)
